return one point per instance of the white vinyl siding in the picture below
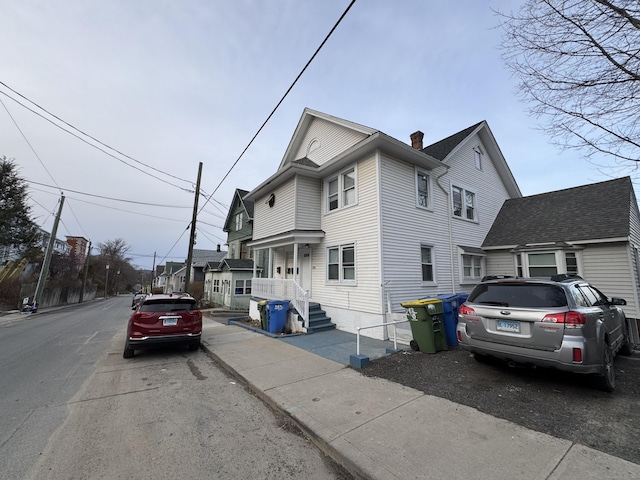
(308, 199)
(280, 218)
(334, 140)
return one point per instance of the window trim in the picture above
(477, 157)
(431, 249)
(239, 218)
(341, 190)
(216, 285)
(464, 191)
(245, 289)
(418, 173)
(341, 266)
(523, 266)
(472, 279)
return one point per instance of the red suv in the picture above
(164, 319)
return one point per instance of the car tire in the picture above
(128, 351)
(627, 345)
(607, 379)
(194, 346)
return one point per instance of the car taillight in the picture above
(197, 314)
(464, 310)
(570, 319)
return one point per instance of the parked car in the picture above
(560, 322)
(164, 319)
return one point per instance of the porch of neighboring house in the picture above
(287, 273)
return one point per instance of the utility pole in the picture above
(86, 271)
(192, 237)
(44, 272)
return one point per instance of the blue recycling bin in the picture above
(277, 315)
(450, 303)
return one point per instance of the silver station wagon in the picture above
(560, 322)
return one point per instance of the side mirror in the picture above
(618, 301)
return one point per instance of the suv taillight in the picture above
(464, 310)
(570, 319)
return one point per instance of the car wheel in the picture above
(607, 379)
(627, 345)
(128, 351)
(194, 346)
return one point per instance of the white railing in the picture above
(283, 289)
(388, 324)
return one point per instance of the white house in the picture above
(358, 222)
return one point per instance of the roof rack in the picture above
(495, 277)
(561, 277)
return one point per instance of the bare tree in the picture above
(578, 62)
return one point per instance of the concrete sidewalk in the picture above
(382, 430)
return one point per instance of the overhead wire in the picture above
(84, 133)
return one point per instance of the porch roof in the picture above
(288, 238)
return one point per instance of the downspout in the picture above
(383, 283)
(446, 193)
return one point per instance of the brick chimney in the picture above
(416, 140)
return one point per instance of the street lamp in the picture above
(106, 282)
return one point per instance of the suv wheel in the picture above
(627, 345)
(607, 379)
(128, 351)
(194, 346)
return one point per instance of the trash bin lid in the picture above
(420, 303)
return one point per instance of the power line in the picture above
(280, 102)
(84, 133)
(98, 148)
(111, 198)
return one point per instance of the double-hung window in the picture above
(341, 190)
(216, 286)
(243, 287)
(422, 189)
(464, 203)
(471, 267)
(341, 264)
(239, 221)
(426, 260)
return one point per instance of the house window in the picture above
(464, 203)
(243, 287)
(426, 259)
(477, 155)
(341, 264)
(233, 250)
(341, 190)
(239, 221)
(472, 267)
(216, 286)
(422, 189)
(542, 264)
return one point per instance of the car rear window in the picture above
(168, 305)
(519, 295)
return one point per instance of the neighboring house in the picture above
(592, 231)
(358, 221)
(228, 282)
(199, 260)
(167, 278)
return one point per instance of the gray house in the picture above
(592, 231)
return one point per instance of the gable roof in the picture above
(444, 147)
(238, 196)
(201, 257)
(590, 212)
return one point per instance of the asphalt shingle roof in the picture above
(590, 212)
(442, 148)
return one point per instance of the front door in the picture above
(304, 259)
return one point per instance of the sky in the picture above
(167, 85)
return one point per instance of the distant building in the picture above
(78, 248)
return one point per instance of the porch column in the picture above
(270, 272)
(295, 263)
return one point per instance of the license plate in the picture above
(504, 326)
(170, 322)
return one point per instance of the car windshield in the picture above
(528, 295)
(168, 305)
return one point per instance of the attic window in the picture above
(313, 146)
(477, 154)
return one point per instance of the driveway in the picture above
(560, 404)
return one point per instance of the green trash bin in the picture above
(426, 319)
(262, 308)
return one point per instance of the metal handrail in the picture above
(395, 338)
